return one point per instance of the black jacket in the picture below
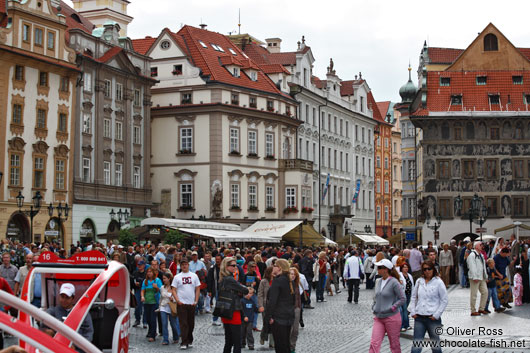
(306, 267)
(236, 289)
(280, 302)
(212, 280)
(137, 276)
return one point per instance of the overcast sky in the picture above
(375, 37)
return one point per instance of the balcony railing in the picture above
(296, 164)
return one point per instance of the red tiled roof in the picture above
(476, 98)
(371, 103)
(318, 82)
(207, 59)
(112, 52)
(346, 88)
(72, 18)
(141, 46)
(262, 56)
(383, 107)
(229, 60)
(274, 69)
(449, 55)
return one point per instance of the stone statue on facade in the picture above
(217, 199)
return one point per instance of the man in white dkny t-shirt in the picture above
(186, 289)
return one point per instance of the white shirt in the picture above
(429, 299)
(185, 283)
(303, 282)
(383, 283)
(394, 260)
(353, 268)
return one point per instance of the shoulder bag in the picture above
(224, 306)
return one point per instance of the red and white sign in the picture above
(88, 257)
(481, 230)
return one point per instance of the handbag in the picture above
(361, 273)
(224, 305)
(173, 308)
(132, 301)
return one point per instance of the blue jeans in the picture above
(36, 302)
(462, 276)
(492, 294)
(405, 314)
(215, 318)
(151, 319)
(175, 327)
(200, 304)
(321, 285)
(139, 310)
(424, 324)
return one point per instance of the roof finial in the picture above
(303, 39)
(410, 70)
(239, 22)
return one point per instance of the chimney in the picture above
(274, 45)
(203, 25)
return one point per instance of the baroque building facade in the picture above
(337, 134)
(223, 133)
(473, 111)
(38, 77)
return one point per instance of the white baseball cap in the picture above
(68, 289)
(384, 262)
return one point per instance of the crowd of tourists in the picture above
(172, 284)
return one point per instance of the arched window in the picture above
(445, 131)
(470, 131)
(490, 43)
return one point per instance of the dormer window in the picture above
(482, 80)
(445, 81)
(456, 99)
(203, 45)
(494, 99)
(490, 42)
(253, 75)
(236, 72)
(232, 51)
(517, 80)
(177, 70)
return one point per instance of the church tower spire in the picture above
(101, 12)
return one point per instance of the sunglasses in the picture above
(231, 265)
(427, 269)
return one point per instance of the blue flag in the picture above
(356, 193)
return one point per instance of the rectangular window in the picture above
(270, 106)
(177, 70)
(269, 145)
(234, 98)
(517, 80)
(357, 170)
(17, 114)
(118, 175)
(468, 169)
(118, 134)
(252, 196)
(186, 98)
(86, 170)
(519, 206)
(252, 143)
(362, 134)
(491, 169)
(51, 40)
(253, 103)
(386, 213)
(494, 99)
(186, 140)
(107, 90)
(378, 162)
(387, 187)
(314, 116)
(136, 177)
(38, 173)
(236, 72)
(38, 37)
(290, 197)
(443, 170)
(329, 122)
(269, 197)
(154, 71)
(347, 162)
(14, 170)
(106, 173)
(107, 128)
(41, 118)
(494, 133)
(26, 33)
(445, 81)
(412, 170)
(19, 73)
(444, 206)
(234, 140)
(87, 82)
(186, 195)
(63, 123)
(482, 80)
(364, 167)
(234, 196)
(378, 212)
(386, 162)
(137, 135)
(518, 168)
(119, 91)
(43, 79)
(492, 205)
(64, 84)
(59, 174)
(253, 75)
(458, 133)
(137, 98)
(340, 127)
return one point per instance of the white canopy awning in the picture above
(230, 236)
(188, 223)
(365, 238)
(379, 240)
(328, 241)
(272, 229)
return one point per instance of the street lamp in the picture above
(33, 209)
(367, 229)
(60, 211)
(477, 211)
(437, 224)
(123, 216)
(482, 215)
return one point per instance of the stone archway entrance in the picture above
(54, 231)
(87, 232)
(18, 228)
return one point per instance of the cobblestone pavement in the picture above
(336, 326)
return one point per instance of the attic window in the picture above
(482, 80)
(490, 43)
(236, 72)
(494, 99)
(220, 49)
(232, 51)
(456, 99)
(517, 80)
(202, 44)
(76, 17)
(215, 47)
(165, 44)
(253, 75)
(445, 81)
(177, 70)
